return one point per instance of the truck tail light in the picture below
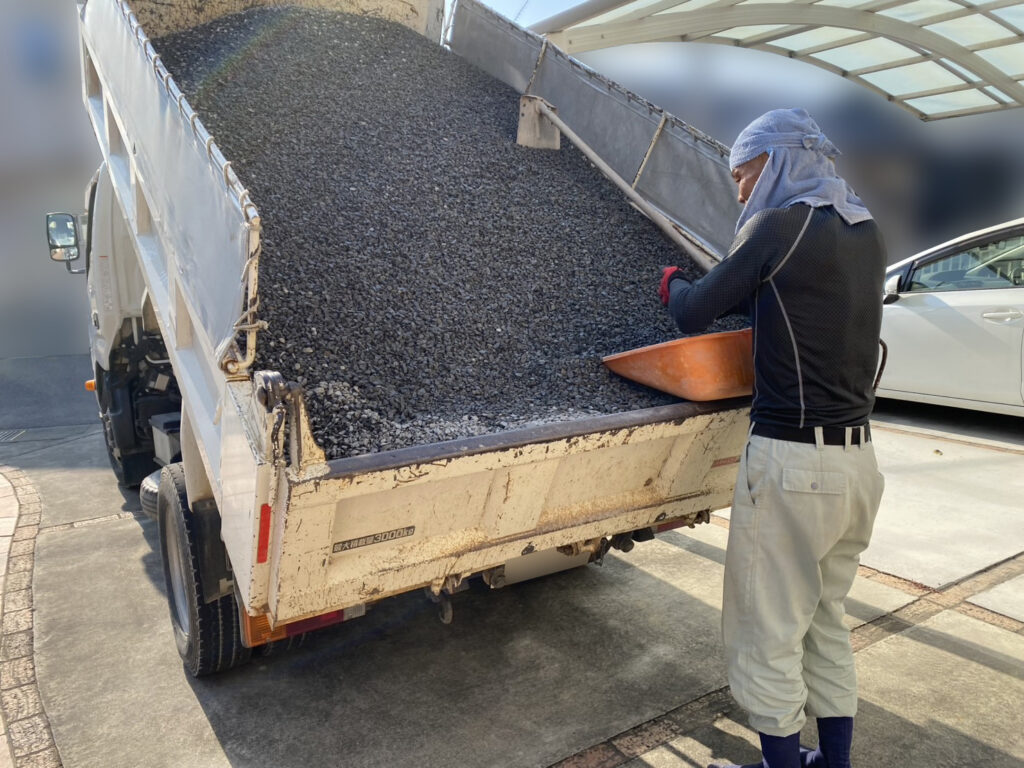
(263, 542)
(256, 630)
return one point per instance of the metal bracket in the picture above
(535, 129)
(440, 593)
(597, 549)
(287, 401)
(494, 577)
(270, 388)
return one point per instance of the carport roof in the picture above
(936, 58)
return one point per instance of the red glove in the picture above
(667, 275)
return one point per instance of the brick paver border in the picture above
(25, 722)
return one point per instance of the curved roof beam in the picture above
(699, 23)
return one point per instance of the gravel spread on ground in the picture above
(423, 276)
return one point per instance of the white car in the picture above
(954, 323)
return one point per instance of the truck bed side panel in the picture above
(357, 538)
(155, 154)
(182, 206)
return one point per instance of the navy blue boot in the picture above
(835, 737)
(777, 751)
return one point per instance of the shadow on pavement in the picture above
(524, 676)
(959, 421)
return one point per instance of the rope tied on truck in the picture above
(228, 352)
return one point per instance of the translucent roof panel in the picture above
(866, 54)
(1009, 58)
(843, 3)
(692, 5)
(914, 78)
(997, 93)
(921, 9)
(814, 38)
(962, 70)
(625, 10)
(960, 101)
(745, 33)
(1013, 14)
(970, 30)
(935, 58)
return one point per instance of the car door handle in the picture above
(1003, 315)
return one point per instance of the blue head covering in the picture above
(799, 167)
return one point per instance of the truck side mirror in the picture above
(892, 289)
(62, 236)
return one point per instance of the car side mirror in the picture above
(62, 236)
(892, 289)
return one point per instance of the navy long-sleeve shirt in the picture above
(812, 285)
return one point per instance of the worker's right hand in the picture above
(667, 275)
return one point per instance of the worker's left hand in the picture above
(668, 274)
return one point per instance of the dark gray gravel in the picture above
(423, 276)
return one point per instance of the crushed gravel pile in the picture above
(424, 277)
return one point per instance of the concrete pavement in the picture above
(952, 490)
(611, 666)
(600, 667)
(941, 684)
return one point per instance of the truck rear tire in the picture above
(208, 635)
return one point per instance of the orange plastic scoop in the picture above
(714, 366)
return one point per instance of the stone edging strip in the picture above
(28, 729)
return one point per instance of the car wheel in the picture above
(208, 635)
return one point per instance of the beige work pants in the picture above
(801, 516)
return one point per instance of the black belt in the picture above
(832, 435)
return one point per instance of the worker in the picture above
(807, 263)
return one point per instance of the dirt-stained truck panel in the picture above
(377, 532)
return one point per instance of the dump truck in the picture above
(263, 537)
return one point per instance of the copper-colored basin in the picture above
(714, 366)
